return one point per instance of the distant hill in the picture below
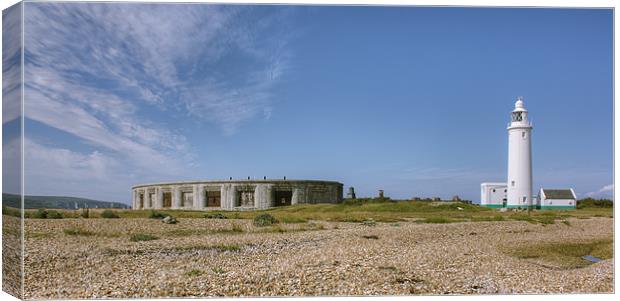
(56, 202)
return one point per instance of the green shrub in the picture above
(47, 214)
(41, 213)
(142, 237)
(53, 214)
(157, 215)
(264, 220)
(109, 214)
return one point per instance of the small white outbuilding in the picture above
(562, 199)
(493, 195)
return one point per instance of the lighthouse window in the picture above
(516, 116)
(512, 183)
(493, 190)
(523, 134)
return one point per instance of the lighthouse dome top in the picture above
(519, 105)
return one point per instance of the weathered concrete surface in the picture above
(236, 194)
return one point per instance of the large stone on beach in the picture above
(169, 220)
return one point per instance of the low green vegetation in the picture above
(109, 214)
(236, 228)
(565, 255)
(274, 229)
(47, 214)
(157, 215)
(6, 210)
(142, 237)
(291, 219)
(229, 248)
(215, 216)
(357, 211)
(370, 236)
(594, 203)
(495, 218)
(264, 220)
(218, 247)
(439, 220)
(75, 231)
(194, 273)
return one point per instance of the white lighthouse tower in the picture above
(519, 193)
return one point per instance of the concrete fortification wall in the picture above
(234, 194)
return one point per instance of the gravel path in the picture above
(190, 259)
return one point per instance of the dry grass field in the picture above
(315, 252)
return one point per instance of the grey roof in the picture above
(558, 193)
(251, 181)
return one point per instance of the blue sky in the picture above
(412, 100)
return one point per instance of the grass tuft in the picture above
(77, 232)
(142, 237)
(236, 228)
(229, 248)
(194, 273)
(291, 219)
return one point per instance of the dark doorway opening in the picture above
(283, 198)
(167, 199)
(141, 196)
(245, 198)
(213, 199)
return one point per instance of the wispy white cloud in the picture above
(165, 54)
(107, 73)
(11, 62)
(605, 191)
